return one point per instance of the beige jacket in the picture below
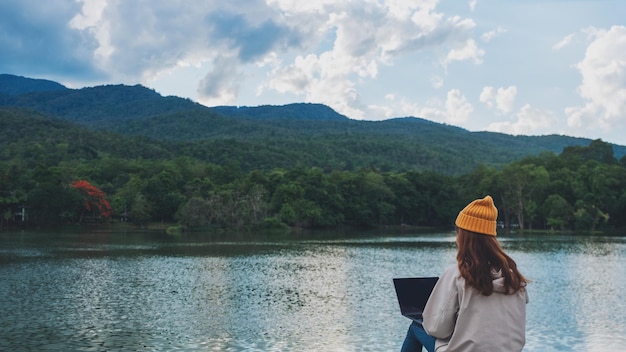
(463, 320)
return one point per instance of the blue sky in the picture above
(529, 67)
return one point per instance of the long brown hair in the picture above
(478, 255)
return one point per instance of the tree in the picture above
(194, 213)
(404, 195)
(597, 150)
(162, 190)
(94, 200)
(293, 207)
(524, 182)
(437, 199)
(596, 188)
(11, 195)
(558, 212)
(377, 195)
(237, 209)
(127, 195)
(140, 210)
(50, 197)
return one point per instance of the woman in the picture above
(480, 303)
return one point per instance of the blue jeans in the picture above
(417, 337)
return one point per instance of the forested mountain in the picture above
(16, 85)
(37, 139)
(266, 137)
(102, 106)
(121, 153)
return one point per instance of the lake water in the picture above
(153, 292)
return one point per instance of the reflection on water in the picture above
(149, 291)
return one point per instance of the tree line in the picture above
(583, 189)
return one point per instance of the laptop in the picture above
(413, 294)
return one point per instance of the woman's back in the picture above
(481, 323)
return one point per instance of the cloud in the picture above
(487, 96)
(457, 107)
(436, 81)
(529, 120)
(488, 36)
(603, 86)
(322, 78)
(502, 99)
(563, 42)
(472, 4)
(455, 110)
(468, 51)
(221, 85)
(364, 36)
(251, 41)
(169, 34)
(35, 40)
(381, 112)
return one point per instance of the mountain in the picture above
(267, 136)
(32, 137)
(102, 106)
(15, 85)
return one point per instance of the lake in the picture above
(148, 291)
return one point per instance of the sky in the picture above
(520, 67)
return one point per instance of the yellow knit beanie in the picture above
(479, 216)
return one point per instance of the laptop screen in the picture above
(413, 293)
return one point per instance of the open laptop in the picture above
(413, 294)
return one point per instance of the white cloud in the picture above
(457, 107)
(366, 35)
(603, 86)
(425, 19)
(487, 96)
(563, 42)
(455, 110)
(468, 51)
(380, 112)
(529, 120)
(141, 40)
(472, 4)
(488, 36)
(505, 99)
(90, 14)
(436, 81)
(502, 99)
(322, 79)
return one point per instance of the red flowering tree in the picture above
(94, 199)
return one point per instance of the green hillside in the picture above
(263, 137)
(102, 106)
(120, 153)
(15, 85)
(34, 139)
